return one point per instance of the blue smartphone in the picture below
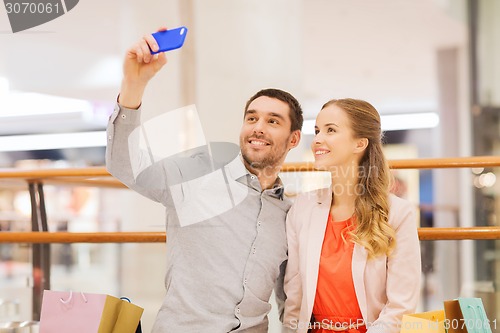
(170, 39)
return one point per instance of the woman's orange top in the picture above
(336, 302)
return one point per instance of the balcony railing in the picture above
(99, 177)
(41, 238)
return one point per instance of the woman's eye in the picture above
(316, 132)
(330, 130)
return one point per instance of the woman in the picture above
(354, 253)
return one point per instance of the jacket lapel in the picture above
(359, 258)
(316, 234)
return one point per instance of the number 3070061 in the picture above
(32, 8)
(469, 323)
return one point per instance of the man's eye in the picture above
(251, 119)
(273, 121)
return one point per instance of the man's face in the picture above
(265, 136)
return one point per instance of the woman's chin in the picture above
(320, 166)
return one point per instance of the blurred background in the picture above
(428, 66)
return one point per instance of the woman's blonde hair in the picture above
(372, 229)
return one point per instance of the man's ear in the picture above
(294, 139)
(361, 145)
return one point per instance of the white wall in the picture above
(489, 53)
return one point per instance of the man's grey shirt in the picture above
(221, 271)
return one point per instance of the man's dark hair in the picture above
(295, 109)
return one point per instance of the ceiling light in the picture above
(4, 87)
(394, 122)
(52, 141)
(17, 104)
(397, 122)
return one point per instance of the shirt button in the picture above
(245, 281)
(237, 310)
(259, 223)
(254, 250)
(124, 116)
(252, 177)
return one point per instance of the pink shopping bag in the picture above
(76, 312)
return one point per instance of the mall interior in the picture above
(428, 66)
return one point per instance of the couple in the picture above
(341, 259)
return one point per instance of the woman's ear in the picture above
(361, 145)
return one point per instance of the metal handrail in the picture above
(76, 174)
(425, 234)
(420, 163)
(94, 177)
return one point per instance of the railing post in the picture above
(40, 252)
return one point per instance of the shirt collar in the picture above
(236, 168)
(278, 190)
(240, 173)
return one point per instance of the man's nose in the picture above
(259, 127)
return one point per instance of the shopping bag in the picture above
(466, 315)
(425, 322)
(77, 312)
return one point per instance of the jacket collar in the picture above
(317, 228)
(318, 222)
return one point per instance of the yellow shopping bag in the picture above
(425, 322)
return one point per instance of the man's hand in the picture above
(138, 68)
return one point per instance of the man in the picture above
(220, 271)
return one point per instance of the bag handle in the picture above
(474, 315)
(139, 328)
(484, 319)
(481, 317)
(71, 296)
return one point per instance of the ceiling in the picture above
(383, 51)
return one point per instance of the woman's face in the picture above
(334, 144)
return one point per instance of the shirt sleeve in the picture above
(124, 158)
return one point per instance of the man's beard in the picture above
(270, 160)
(267, 161)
